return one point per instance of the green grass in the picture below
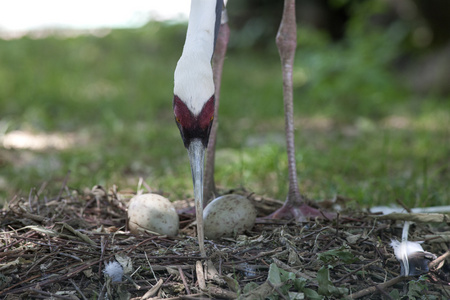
(360, 133)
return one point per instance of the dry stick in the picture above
(149, 189)
(183, 278)
(38, 262)
(438, 260)
(19, 283)
(219, 293)
(402, 204)
(150, 265)
(57, 279)
(297, 273)
(102, 292)
(373, 289)
(262, 254)
(337, 225)
(153, 291)
(102, 252)
(191, 296)
(415, 217)
(22, 212)
(354, 271)
(42, 188)
(30, 195)
(45, 282)
(141, 179)
(70, 255)
(200, 275)
(77, 289)
(66, 179)
(381, 291)
(141, 243)
(51, 295)
(280, 293)
(12, 253)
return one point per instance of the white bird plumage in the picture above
(194, 94)
(114, 270)
(193, 80)
(413, 259)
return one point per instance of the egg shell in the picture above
(152, 212)
(228, 216)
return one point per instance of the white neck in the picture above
(193, 75)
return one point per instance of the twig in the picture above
(154, 290)
(70, 255)
(191, 296)
(337, 225)
(382, 291)
(357, 270)
(78, 234)
(200, 275)
(21, 212)
(219, 293)
(400, 202)
(66, 179)
(59, 278)
(102, 252)
(101, 295)
(262, 254)
(183, 278)
(38, 262)
(51, 295)
(136, 286)
(77, 289)
(149, 189)
(277, 289)
(42, 188)
(415, 217)
(373, 289)
(30, 196)
(150, 265)
(438, 260)
(297, 273)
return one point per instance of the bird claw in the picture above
(300, 213)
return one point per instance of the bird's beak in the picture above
(196, 152)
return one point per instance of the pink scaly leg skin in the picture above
(209, 188)
(299, 212)
(294, 207)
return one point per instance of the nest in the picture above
(59, 248)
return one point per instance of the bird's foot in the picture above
(300, 212)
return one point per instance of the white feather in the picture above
(193, 81)
(114, 270)
(404, 249)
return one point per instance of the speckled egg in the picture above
(152, 212)
(228, 216)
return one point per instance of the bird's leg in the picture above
(286, 40)
(209, 190)
(287, 43)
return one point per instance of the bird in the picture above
(194, 101)
(194, 94)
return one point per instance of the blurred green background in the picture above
(372, 107)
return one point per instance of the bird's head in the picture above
(194, 126)
(193, 101)
(193, 107)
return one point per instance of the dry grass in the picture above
(57, 248)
